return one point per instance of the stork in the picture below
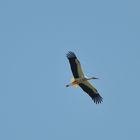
(81, 80)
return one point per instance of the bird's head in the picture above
(94, 78)
(91, 78)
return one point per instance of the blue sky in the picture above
(35, 37)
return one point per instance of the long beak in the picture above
(94, 78)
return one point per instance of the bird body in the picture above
(81, 80)
(78, 81)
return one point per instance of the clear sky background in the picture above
(34, 39)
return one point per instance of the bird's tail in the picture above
(72, 83)
(72, 80)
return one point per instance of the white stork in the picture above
(81, 80)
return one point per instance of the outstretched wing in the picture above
(75, 65)
(91, 91)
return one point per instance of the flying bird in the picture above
(81, 80)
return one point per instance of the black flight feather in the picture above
(94, 95)
(72, 60)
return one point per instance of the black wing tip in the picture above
(71, 54)
(97, 99)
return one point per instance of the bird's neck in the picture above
(89, 78)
